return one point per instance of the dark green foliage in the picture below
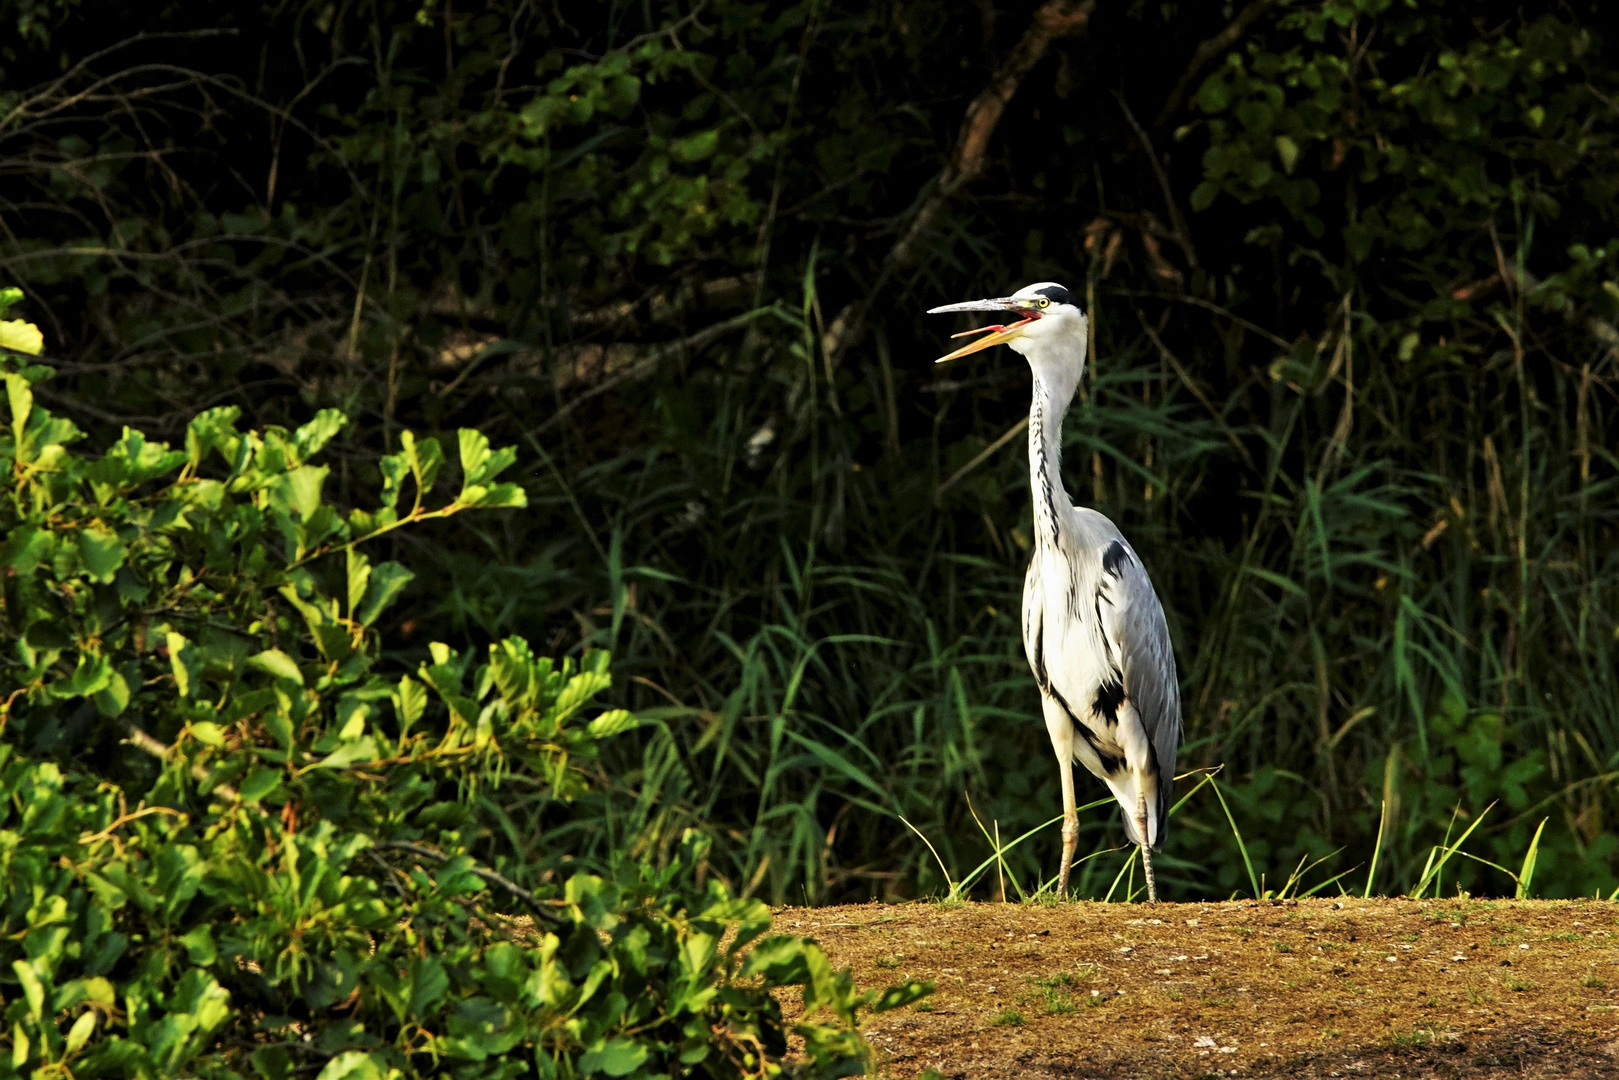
(1353, 287)
(237, 839)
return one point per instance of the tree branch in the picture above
(1053, 20)
(1183, 237)
(1206, 51)
(141, 739)
(490, 876)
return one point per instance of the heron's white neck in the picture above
(1056, 376)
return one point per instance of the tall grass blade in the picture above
(1253, 878)
(1377, 847)
(942, 867)
(1445, 854)
(1526, 874)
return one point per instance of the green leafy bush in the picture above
(234, 840)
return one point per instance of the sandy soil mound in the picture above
(1312, 988)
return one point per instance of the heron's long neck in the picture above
(1052, 394)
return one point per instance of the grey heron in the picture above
(1093, 628)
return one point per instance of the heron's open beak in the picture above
(997, 335)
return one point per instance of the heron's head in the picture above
(1043, 323)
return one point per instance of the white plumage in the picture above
(1093, 628)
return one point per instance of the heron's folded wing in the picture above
(1133, 621)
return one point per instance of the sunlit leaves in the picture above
(278, 664)
(387, 581)
(479, 466)
(200, 653)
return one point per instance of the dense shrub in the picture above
(238, 837)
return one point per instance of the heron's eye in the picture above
(1045, 303)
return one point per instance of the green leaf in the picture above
(499, 496)
(359, 574)
(333, 640)
(695, 147)
(47, 634)
(22, 404)
(299, 490)
(259, 783)
(394, 469)
(102, 553)
(94, 672)
(356, 1065)
(479, 464)
(350, 716)
(410, 701)
(385, 583)
(310, 438)
(425, 458)
(199, 945)
(181, 656)
(212, 430)
(617, 1057)
(364, 749)
(1214, 96)
(80, 1033)
(613, 722)
(26, 548)
(33, 990)
(1288, 151)
(474, 453)
(208, 733)
(22, 336)
(901, 995)
(112, 699)
(277, 663)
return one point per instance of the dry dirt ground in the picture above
(1297, 989)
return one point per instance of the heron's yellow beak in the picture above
(997, 335)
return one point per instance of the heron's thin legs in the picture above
(1146, 851)
(1070, 822)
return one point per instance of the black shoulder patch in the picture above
(1115, 554)
(1109, 696)
(1110, 764)
(1057, 294)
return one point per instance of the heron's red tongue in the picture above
(994, 335)
(996, 329)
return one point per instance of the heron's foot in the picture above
(1152, 879)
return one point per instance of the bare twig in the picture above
(1177, 223)
(648, 364)
(982, 456)
(140, 739)
(1344, 357)
(1197, 391)
(534, 903)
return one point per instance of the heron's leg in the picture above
(1070, 821)
(1146, 849)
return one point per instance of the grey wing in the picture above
(1133, 620)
